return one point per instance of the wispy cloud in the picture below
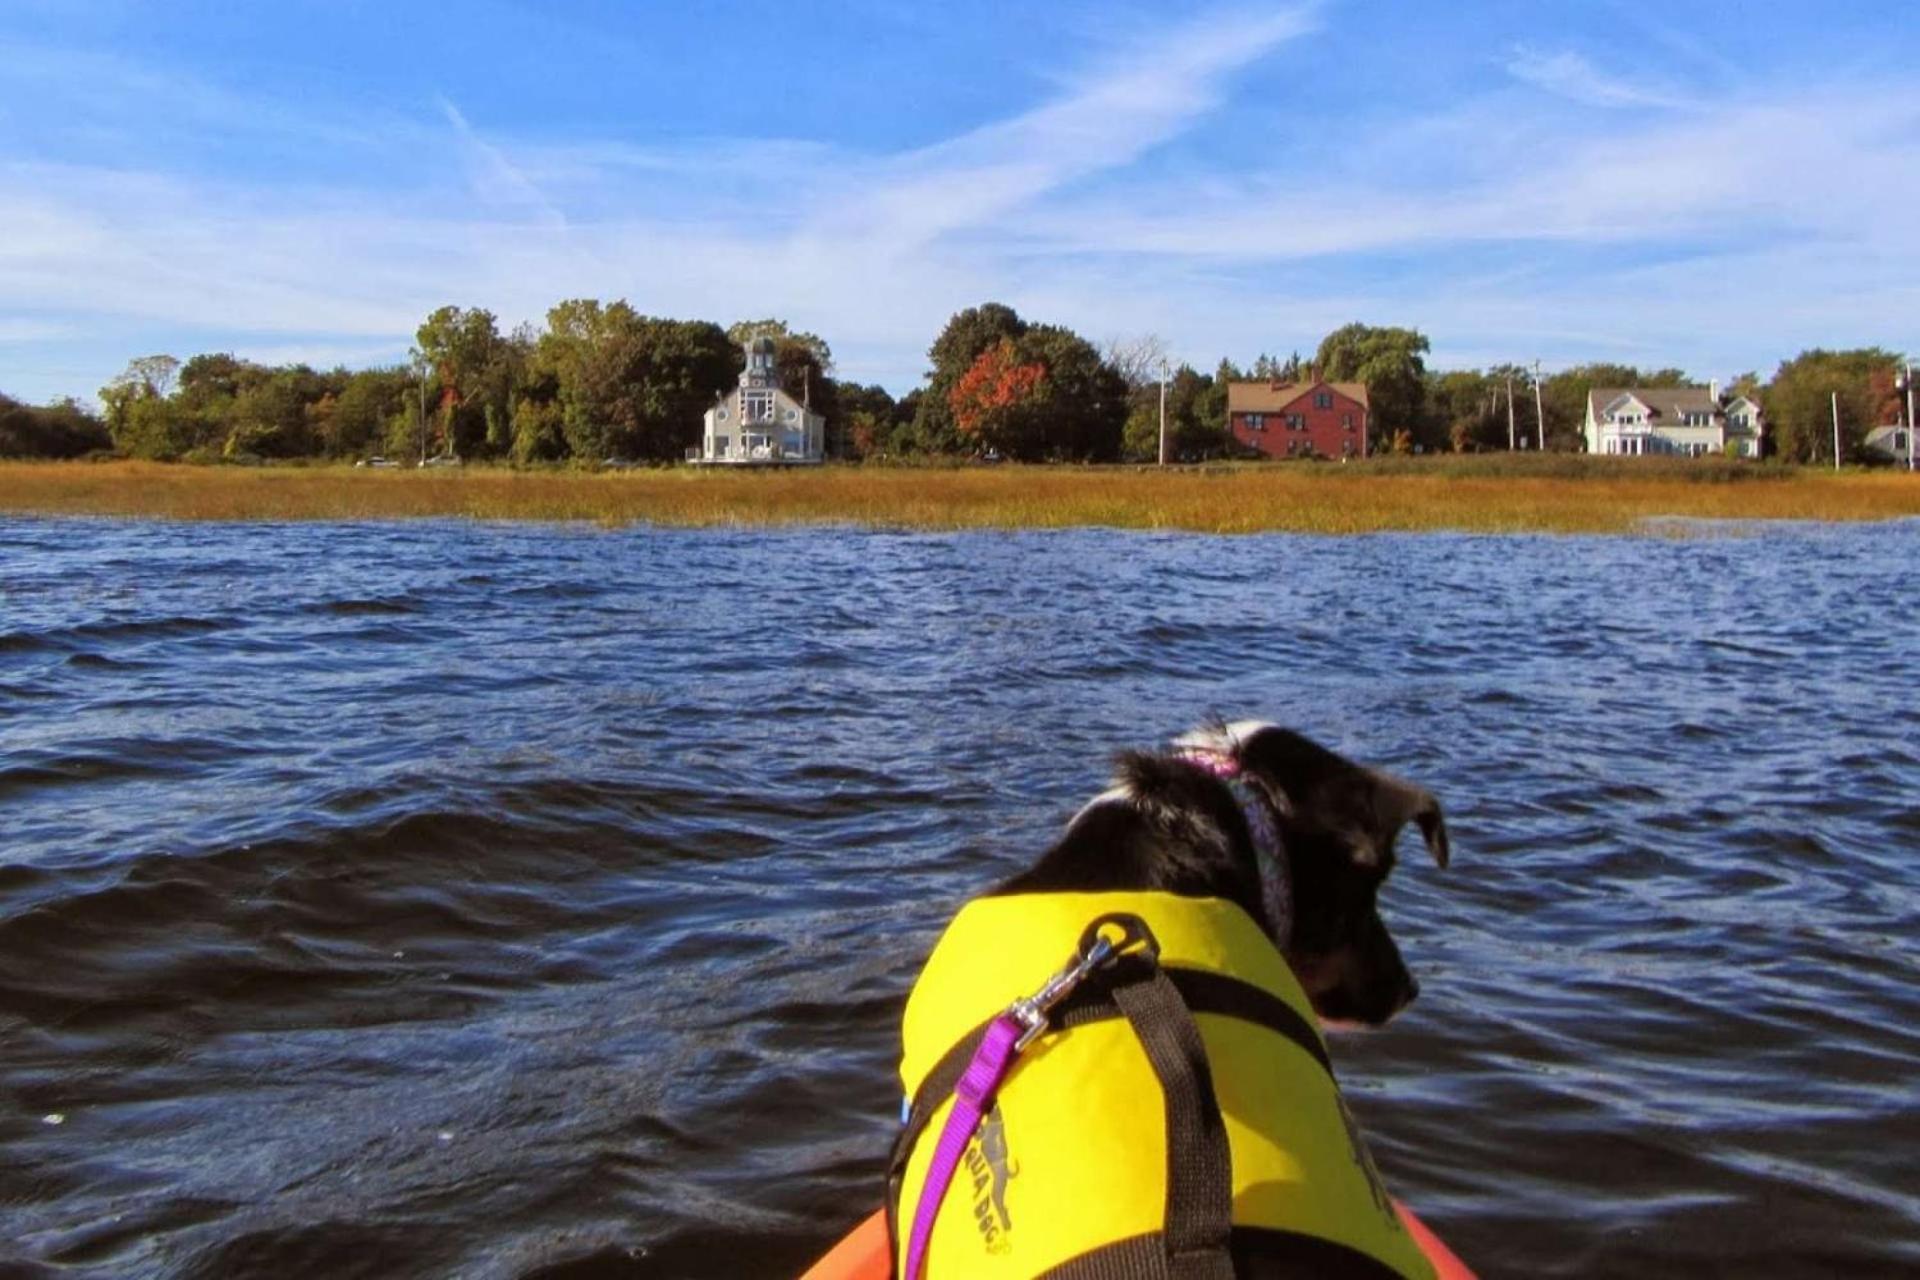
(1571, 76)
(494, 178)
(1110, 115)
(1500, 231)
(16, 329)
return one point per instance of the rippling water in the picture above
(448, 899)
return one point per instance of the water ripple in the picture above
(505, 901)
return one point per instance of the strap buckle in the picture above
(1095, 951)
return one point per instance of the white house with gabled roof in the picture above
(758, 423)
(1688, 421)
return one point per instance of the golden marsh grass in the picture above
(1495, 494)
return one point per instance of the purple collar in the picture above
(1276, 893)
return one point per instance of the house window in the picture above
(1323, 400)
(1296, 422)
(721, 415)
(757, 406)
(1346, 421)
(1256, 422)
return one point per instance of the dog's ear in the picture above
(1397, 802)
(1326, 790)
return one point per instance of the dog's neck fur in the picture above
(1260, 810)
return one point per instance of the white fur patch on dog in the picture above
(1224, 739)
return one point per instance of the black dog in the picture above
(1172, 823)
(1300, 839)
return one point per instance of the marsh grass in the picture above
(1501, 493)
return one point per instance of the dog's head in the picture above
(1173, 825)
(1339, 822)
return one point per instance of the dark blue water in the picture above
(442, 899)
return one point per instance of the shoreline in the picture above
(1472, 494)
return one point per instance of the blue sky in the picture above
(1710, 185)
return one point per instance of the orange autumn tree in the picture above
(997, 400)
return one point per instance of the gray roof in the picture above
(1668, 404)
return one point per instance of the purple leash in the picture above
(1006, 1037)
(972, 1096)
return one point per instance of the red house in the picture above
(1310, 419)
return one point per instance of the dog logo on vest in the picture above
(991, 1168)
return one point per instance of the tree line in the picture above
(601, 381)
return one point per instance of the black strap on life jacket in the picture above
(1199, 1219)
(1159, 1004)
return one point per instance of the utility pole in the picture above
(1539, 409)
(1163, 413)
(1513, 441)
(1910, 427)
(1836, 431)
(423, 413)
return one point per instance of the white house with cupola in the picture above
(1690, 421)
(758, 423)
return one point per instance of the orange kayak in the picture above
(866, 1254)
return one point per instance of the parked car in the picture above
(443, 460)
(376, 461)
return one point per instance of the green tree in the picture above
(1799, 402)
(578, 332)
(474, 367)
(1085, 409)
(216, 376)
(361, 410)
(1466, 406)
(150, 427)
(209, 386)
(1196, 420)
(1212, 404)
(868, 416)
(62, 429)
(1267, 368)
(539, 433)
(631, 385)
(966, 336)
(1392, 363)
(805, 377)
(270, 419)
(144, 378)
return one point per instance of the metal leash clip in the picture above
(1095, 950)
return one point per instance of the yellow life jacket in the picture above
(1069, 1172)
